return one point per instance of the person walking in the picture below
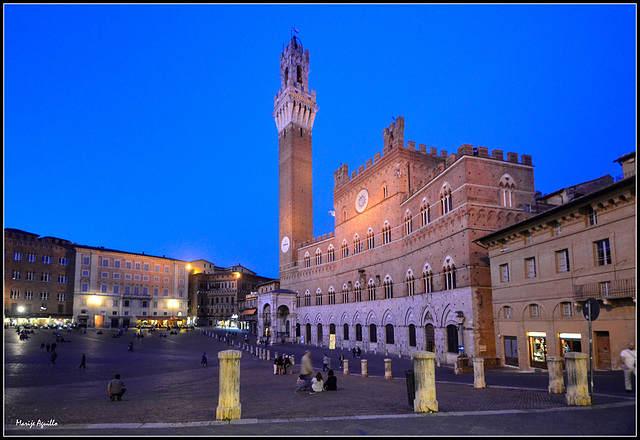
(325, 362)
(82, 363)
(203, 362)
(306, 370)
(628, 360)
(341, 359)
(116, 388)
(54, 355)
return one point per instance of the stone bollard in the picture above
(577, 384)
(363, 366)
(387, 369)
(229, 388)
(345, 367)
(424, 374)
(293, 361)
(556, 379)
(478, 373)
(268, 355)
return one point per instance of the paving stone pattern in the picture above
(166, 383)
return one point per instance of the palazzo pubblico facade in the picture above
(401, 272)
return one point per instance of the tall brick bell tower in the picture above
(294, 112)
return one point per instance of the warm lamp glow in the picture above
(94, 300)
(172, 304)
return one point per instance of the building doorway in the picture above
(602, 348)
(511, 350)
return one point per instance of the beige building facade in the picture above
(401, 271)
(545, 268)
(116, 289)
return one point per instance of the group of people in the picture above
(282, 365)
(306, 381)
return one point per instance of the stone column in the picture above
(478, 373)
(363, 366)
(345, 367)
(229, 387)
(577, 384)
(424, 374)
(556, 379)
(387, 369)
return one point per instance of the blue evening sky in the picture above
(148, 128)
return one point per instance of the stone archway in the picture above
(283, 323)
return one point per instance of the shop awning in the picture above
(248, 312)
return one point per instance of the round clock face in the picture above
(362, 199)
(284, 245)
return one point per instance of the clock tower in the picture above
(294, 112)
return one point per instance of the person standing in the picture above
(287, 364)
(116, 388)
(341, 359)
(306, 370)
(280, 365)
(82, 363)
(325, 363)
(628, 360)
(203, 362)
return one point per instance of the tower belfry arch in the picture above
(294, 114)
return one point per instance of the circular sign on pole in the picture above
(591, 307)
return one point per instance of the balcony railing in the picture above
(609, 289)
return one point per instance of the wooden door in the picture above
(602, 349)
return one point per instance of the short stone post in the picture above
(293, 361)
(363, 366)
(345, 367)
(577, 384)
(268, 355)
(424, 374)
(229, 387)
(478, 373)
(556, 379)
(387, 369)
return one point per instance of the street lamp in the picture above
(460, 318)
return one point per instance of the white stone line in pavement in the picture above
(329, 419)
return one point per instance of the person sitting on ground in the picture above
(301, 383)
(116, 388)
(317, 383)
(332, 382)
